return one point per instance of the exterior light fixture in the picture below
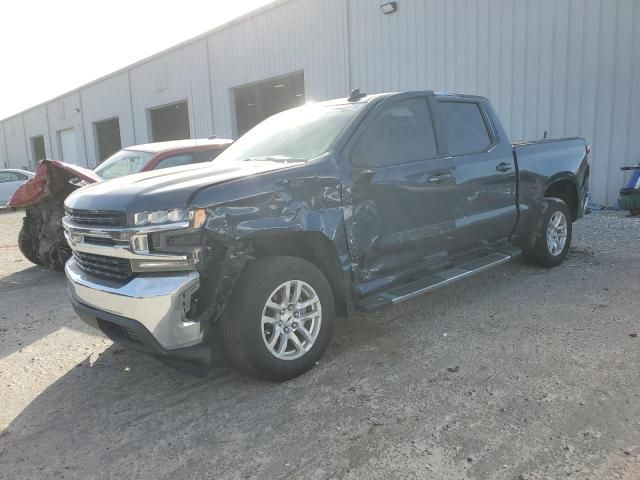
(280, 85)
(390, 7)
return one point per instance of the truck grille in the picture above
(101, 266)
(98, 219)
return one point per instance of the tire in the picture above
(28, 247)
(554, 218)
(250, 322)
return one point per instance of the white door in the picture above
(68, 150)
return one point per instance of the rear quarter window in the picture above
(465, 128)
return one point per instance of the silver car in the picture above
(10, 180)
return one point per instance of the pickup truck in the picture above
(319, 211)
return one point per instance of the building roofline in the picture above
(231, 23)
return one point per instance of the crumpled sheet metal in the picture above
(51, 177)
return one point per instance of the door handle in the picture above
(504, 167)
(440, 177)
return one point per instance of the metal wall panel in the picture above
(304, 35)
(178, 75)
(16, 147)
(570, 67)
(35, 124)
(4, 159)
(107, 99)
(65, 113)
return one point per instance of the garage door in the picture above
(170, 122)
(68, 150)
(260, 100)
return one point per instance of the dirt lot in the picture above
(544, 383)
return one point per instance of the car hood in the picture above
(162, 189)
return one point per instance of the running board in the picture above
(426, 284)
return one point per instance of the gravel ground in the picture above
(518, 373)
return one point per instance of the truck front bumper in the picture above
(148, 313)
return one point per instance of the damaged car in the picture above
(41, 239)
(351, 204)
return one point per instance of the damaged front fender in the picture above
(296, 213)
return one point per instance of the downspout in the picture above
(46, 111)
(84, 136)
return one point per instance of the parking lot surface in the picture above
(517, 373)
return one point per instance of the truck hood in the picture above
(163, 189)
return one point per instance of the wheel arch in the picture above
(566, 190)
(313, 247)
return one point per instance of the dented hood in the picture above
(51, 177)
(163, 189)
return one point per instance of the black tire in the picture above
(242, 329)
(540, 253)
(28, 247)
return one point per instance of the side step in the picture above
(426, 284)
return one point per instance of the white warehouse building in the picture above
(568, 67)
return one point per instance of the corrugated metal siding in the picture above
(35, 123)
(570, 67)
(101, 101)
(305, 35)
(4, 159)
(66, 113)
(179, 75)
(17, 156)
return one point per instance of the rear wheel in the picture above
(552, 234)
(280, 318)
(29, 247)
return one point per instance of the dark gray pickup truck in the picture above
(358, 203)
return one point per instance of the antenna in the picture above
(356, 95)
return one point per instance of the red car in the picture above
(41, 238)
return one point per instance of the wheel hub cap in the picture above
(557, 233)
(291, 320)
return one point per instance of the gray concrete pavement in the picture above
(545, 384)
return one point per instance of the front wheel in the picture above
(552, 234)
(280, 318)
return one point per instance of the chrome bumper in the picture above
(158, 302)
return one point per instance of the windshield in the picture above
(299, 134)
(124, 162)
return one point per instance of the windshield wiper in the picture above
(273, 158)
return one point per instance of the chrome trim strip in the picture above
(453, 278)
(159, 303)
(117, 232)
(117, 251)
(128, 242)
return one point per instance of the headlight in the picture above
(196, 217)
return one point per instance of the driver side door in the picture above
(401, 219)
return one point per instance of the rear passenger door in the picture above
(402, 193)
(485, 206)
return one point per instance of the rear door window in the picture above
(175, 160)
(465, 128)
(6, 177)
(402, 133)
